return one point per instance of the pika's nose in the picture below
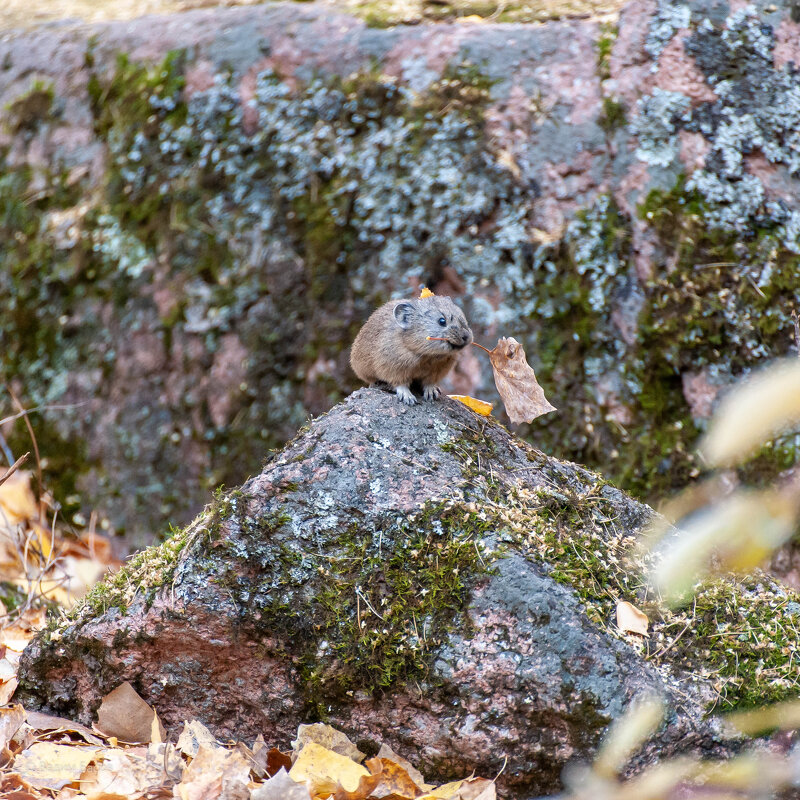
(464, 337)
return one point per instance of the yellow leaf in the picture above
(752, 413)
(16, 498)
(736, 533)
(322, 770)
(46, 765)
(785, 716)
(426, 292)
(630, 619)
(478, 406)
(327, 737)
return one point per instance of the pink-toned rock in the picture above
(677, 72)
(228, 624)
(700, 393)
(787, 44)
(694, 149)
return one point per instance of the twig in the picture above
(14, 467)
(796, 321)
(35, 450)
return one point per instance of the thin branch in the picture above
(14, 467)
(35, 451)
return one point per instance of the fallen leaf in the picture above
(469, 789)
(323, 770)
(752, 413)
(522, 396)
(394, 779)
(276, 760)
(367, 784)
(46, 765)
(631, 619)
(125, 715)
(126, 773)
(193, 736)
(215, 772)
(413, 772)
(10, 721)
(45, 722)
(478, 406)
(327, 737)
(281, 787)
(426, 292)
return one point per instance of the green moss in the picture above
(737, 634)
(605, 44)
(372, 615)
(152, 569)
(28, 111)
(613, 116)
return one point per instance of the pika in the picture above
(411, 341)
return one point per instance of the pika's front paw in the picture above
(406, 395)
(431, 392)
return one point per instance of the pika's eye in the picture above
(442, 321)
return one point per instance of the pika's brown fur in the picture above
(393, 346)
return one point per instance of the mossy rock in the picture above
(421, 576)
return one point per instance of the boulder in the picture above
(417, 576)
(199, 209)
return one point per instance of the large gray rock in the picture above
(411, 575)
(192, 243)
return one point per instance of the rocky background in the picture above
(198, 211)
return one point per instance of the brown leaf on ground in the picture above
(10, 721)
(215, 772)
(630, 619)
(193, 735)
(13, 786)
(46, 722)
(516, 382)
(125, 715)
(469, 789)
(276, 760)
(128, 773)
(413, 772)
(45, 765)
(393, 779)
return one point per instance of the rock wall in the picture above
(198, 211)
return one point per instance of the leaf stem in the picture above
(442, 339)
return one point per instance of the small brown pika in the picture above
(411, 341)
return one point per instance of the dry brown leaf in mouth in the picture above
(516, 382)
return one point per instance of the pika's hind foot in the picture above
(431, 392)
(406, 395)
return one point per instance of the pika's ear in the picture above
(403, 313)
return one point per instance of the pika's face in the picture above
(438, 321)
